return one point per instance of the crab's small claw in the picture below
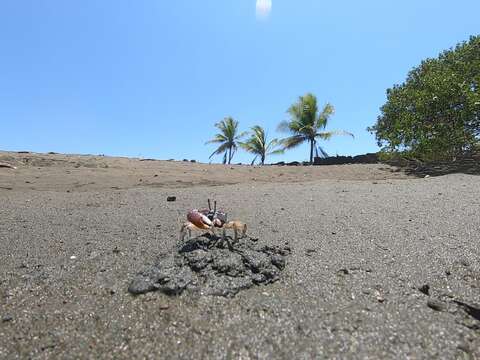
(221, 218)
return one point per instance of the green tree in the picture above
(307, 124)
(435, 113)
(228, 138)
(258, 145)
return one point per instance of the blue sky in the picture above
(151, 77)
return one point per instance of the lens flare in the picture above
(264, 8)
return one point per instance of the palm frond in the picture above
(219, 138)
(324, 116)
(227, 137)
(296, 110)
(257, 143)
(293, 141)
(327, 135)
(243, 145)
(274, 143)
(241, 135)
(310, 109)
(305, 122)
(284, 126)
(276, 152)
(303, 116)
(308, 130)
(222, 148)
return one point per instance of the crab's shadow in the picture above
(204, 242)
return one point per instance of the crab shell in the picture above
(218, 218)
(198, 219)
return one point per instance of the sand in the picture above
(56, 172)
(380, 266)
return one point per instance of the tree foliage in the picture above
(435, 113)
(228, 139)
(258, 145)
(307, 124)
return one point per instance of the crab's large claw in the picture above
(199, 220)
(205, 212)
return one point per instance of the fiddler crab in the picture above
(210, 220)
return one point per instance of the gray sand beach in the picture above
(382, 265)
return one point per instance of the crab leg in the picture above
(188, 227)
(236, 226)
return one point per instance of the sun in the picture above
(264, 8)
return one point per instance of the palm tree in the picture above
(308, 124)
(227, 138)
(257, 145)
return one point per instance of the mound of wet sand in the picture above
(212, 266)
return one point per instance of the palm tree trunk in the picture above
(312, 143)
(263, 160)
(229, 155)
